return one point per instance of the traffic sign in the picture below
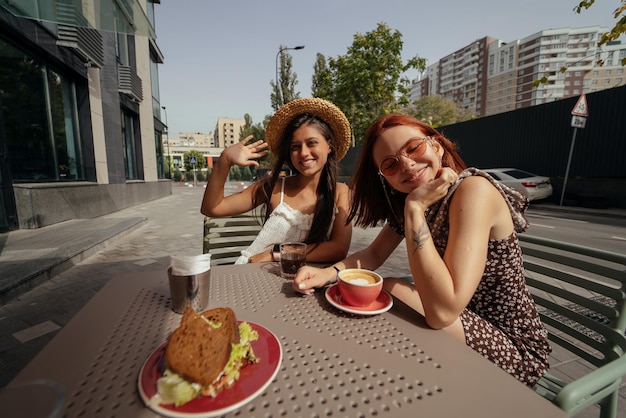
(578, 121)
(193, 160)
(580, 109)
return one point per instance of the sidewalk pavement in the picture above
(48, 274)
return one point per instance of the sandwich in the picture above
(204, 356)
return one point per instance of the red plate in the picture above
(252, 382)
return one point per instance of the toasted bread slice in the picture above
(198, 351)
(225, 317)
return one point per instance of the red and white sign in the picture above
(581, 107)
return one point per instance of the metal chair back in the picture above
(226, 237)
(581, 297)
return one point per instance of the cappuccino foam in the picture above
(359, 278)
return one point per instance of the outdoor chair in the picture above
(580, 294)
(225, 237)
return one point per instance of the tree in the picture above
(322, 79)
(200, 160)
(235, 173)
(284, 88)
(368, 81)
(258, 132)
(437, 111)
(620, 28)
(249, 128)
(247, 173)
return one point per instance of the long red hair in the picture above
(370, 202)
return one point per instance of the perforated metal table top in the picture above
(335, 364)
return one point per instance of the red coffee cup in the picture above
(359, 287)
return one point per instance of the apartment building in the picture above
(490, 76)
(501, 94)
(227, 131)
(462, 75)
(611, 73)
(80, 122)
(197, 141)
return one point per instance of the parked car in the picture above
(533, 186)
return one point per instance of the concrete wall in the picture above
(40, 205)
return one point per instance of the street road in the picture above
(594, 231)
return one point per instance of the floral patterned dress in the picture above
(501, 321)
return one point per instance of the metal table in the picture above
(334, 363)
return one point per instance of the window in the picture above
(39, 112)
(130, 133)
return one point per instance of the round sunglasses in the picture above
(414, 148)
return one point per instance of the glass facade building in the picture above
(80, 120)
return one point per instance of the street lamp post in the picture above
(285, 48)
(169, 157)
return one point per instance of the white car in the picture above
(533, 186)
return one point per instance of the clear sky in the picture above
(220, 55)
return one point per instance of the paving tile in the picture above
(36, 331)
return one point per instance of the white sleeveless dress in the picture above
(285, 224)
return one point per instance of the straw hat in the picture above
(323, 109)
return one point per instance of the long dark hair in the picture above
(325, 205)
(371, 202)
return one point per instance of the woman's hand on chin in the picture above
(433, 191)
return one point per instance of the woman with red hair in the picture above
(460, 228)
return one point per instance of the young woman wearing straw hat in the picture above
(311, 136)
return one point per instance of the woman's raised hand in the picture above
(244, 154)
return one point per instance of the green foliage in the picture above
(168, 166)
(177, 176)
(284, 89)
(246, 173)
(199, 157)
(235, 173)
(437, 111)
(322, 79)
(249, 128)
(258, 132)
(368, 81)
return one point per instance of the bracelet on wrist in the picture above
(336, 275)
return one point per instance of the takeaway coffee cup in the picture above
(189, 279)
(189, 290)
(359, 287)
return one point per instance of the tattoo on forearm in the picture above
(420, 236)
